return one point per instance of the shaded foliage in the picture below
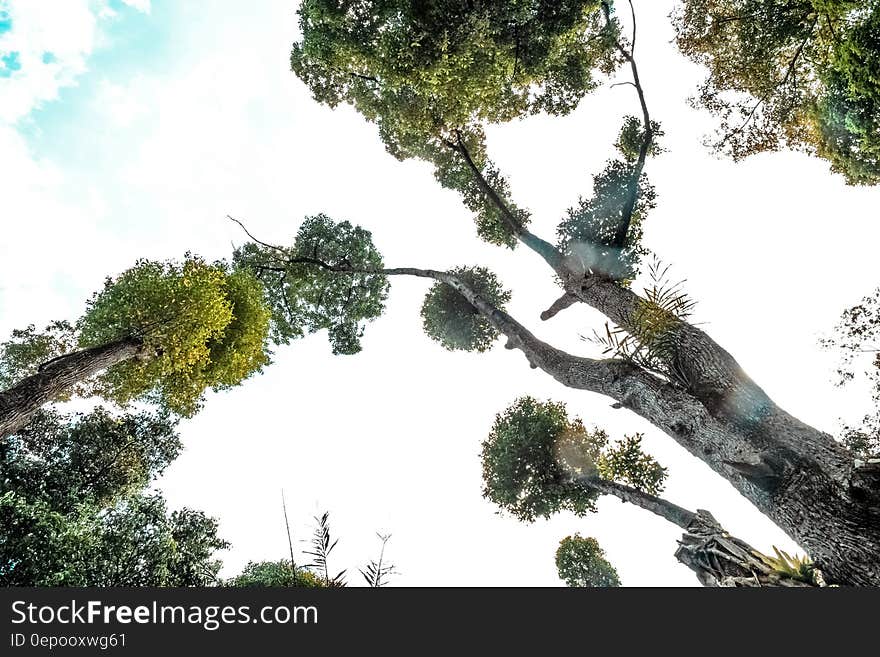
(802, 74)
(141, 544)
(74, 510)
(274, 573)
(95, 458)
(323, 281)
(451, 320)
(521, 472)
(581, 563)
(433, 74)
(136, 542)
(535, 450)
(857, 339)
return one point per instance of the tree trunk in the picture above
(58, 376)
(719, 559)
(716, 557)
(798, 476)
(801, 478)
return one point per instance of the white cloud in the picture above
(53, 41)
(119, 104)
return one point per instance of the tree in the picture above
(434, 104)
(274, 573)
(537, 462)
(287, 572)
(855, 338)
(801, 74)
(160, 332)
(581, 563)
(75, 509)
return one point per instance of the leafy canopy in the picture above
(327, 280)
(27, 348)
(535, 450)
(95, 458)
(451, 320)
(581, 563)
(857, 339)
(433, 74)
(274, 573)
(203, 326)
(74, 511)
(803, 74)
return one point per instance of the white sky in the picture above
(121, 151)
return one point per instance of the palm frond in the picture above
(647, 342)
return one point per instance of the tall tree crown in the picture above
(203, 326)
(802, 74)
(328, 279)
(535, 451)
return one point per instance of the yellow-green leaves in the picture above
(202, 325)
(796, 567)
(626, 463)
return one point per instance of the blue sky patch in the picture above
(132, 43)
(9, 63)
(5, 21)
(49, 58)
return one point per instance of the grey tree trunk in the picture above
(58, 376)
(716, 557)
(798, 476)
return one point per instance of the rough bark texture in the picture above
(716, 557)
(56, 377)
(798, 476)
(656, 505)
(719, 559)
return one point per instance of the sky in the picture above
(130, 129)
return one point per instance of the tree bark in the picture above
(58, 376)
(716, 557)
(798, 476)
(801, 478)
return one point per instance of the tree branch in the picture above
(543, 248)
(563, 302)
(657, 505)
(632, 192)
